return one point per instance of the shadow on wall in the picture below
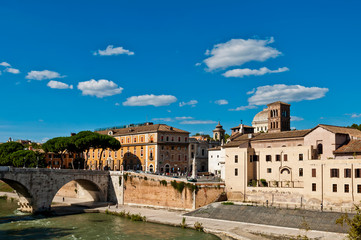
(132, 162)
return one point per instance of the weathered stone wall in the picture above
(208, 193)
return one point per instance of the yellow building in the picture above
(147, 147)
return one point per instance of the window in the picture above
(162, 138)
(313, 172)
(141, 151)
(334, 187)
(269, 170)
(115, 154)
(185, 157)
(300, 172)
(347, 188)
(313, 187)
(142, 139)
(122, 141)
(268, 158)
(358, 188)
(172, 139)
(135, 151)
(128, 140)
(202, 152)
(236, 159)
(121, 152)
(172, 147)
(135, 140)
(179, 139)
(285, 157)
(347, 172)
(236, 172)
(192, 154)
(358, 173)
(192, 146)
(278, 158)
(110, 153)
(185, 139)
(167, 138)
(319, 148)
(300, 157)
(334, 172)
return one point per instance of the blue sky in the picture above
(68, 66)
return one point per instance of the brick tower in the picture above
(279, 117)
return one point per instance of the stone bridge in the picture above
(37, 187)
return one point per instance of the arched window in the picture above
(151, 168)
(319, 148)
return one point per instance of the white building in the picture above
(216, 161)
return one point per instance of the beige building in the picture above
(302, 167)
(147, 147)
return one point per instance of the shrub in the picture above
(163, 182)
(183, 223)
(198, 226)
(192, 187)
(125, 176)
(227, 203)
(354, 224)
(145, 178)
(179, 186)
(4, 197)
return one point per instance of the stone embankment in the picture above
(226, 229)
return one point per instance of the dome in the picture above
(261, 117)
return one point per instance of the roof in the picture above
(244, 126)
(215, 148)
(341, 130)
(239, 138)
(354, 146)
(262, 116)
(144, 129)
(278, 102)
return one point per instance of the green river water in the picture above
(14, 225)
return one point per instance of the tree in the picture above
(355, 126)
(104, 142)
(226, 136)
(6, 149)
(354, 232)
(58, 145)
(83, 141)
(27, 158)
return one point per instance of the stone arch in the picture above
(25, 197)
(88, 188)
(286, 174)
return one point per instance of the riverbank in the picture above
(225, 229)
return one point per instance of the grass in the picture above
(227, 203)
(5, 188)
(132, 217)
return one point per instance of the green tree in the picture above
(354, 232)
(355, 126)
(226, 136)
(58, 145)
(6, 149)
(105, 142)
(83, 141)
(27, 158)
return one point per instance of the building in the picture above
(198, 151)
(216, 161)
(148, 147)
(313, 167)
(276, 117)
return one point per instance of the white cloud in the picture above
(117, 104)
(255, 72)
(150, 100)
(113, 51)
(221, 102)
(198, 122)
(42, 75)
(286, 93)
(236, 52)
(12, 70)
(355, 115)
(251, 92)
(5, 64)
(243, 108)
(163, 119)
(101, 88)
(59, 85)
(296, 119)
(191, 102)
(183, 118)
(169, 119)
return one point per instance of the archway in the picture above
(286, 176)
(79, 192)
(25, 198)
(166, 168)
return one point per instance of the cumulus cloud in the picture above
(236, 52)
(59, 85)
(296, 119)
(5, 64)
(42, 75)
(243, 108)
(287, 93)
(354, 115)
(12, 70)
(110, 50)
(255, 72)
(101, 88)
(150, 100)
(221, 102)
(191, 102)
(198, 122)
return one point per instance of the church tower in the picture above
(279, 117)
(218, 133)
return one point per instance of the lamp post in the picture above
(37, 161)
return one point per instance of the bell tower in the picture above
(279, 117)
(218, 133)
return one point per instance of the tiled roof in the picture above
(244, 126)
(354, 146)
(342, 130)
(144, 129)
(239, 139)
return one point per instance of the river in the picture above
(15, 225)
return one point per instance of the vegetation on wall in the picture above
(163, 182)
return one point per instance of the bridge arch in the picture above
(25, 197)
